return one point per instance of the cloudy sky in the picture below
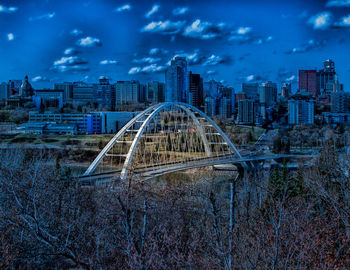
(230, 41)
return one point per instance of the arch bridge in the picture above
(165, 138)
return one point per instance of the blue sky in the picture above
(230, 41)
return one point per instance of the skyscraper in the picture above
(195, 96)
(247, 111)
(251, 90)
(340, 102)
(104, 94)
(211, 89)
(301, 109)
(325, 75)
(127, 92)
(155, 92)
(3, 91)
(268, 93)
(67, 88)
(176, 80)
(308, 81)
(286, 90)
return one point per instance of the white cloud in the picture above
(243, 30)
(89, 42)
(5, 9)
(338, 3)
(291, 78)
(70, 60)
(109, 62)
(76, 32)
(40, 79)
(164, 27)
(43, 17)
(344, 22)
(211, 72)
(74, 68)
(10, 36)
(149, 60)
(147, 69)
(180, 10)
(204, 30)
(213, 60)
(249, 78)
(157, 51)
(124, 7)
(70, 51)
(153, 10)
(321, 20)
(192, 58)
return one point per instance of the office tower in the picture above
(127, 92)
(229, 93)
(195, 96)
(104, 94)
(268, 93)
(247, 111)
(286, 90)
(67, 88)
(301, 109)
(340, 102)
(211, 89)
(142, 93)
(49, 98)
(3, 91)
(176, 81)
(225, 107)
(155, 92)
(325, 75)
(251, 90)
(308, 81)
(209, 106)
(14, 87)
(83, 93)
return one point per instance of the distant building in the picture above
(225, 107)
(268, 93)
(251, 90)
(340, 102)
(195, 95)
(240, 96)
(228, 93)
(301, 109)
(176, 81)
(20, 95)
(308, 81)
(49, 98)
(3, 91)
(210, 106)
(286, 90)
(325, 75)
(336, 118)
(211, 89)
(104, 94)
(67, 88)
(50, 128)
(248, 111)
(127, 92)
(155, 92)
(83, 93)
(14, 87)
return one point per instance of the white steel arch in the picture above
(144, 118)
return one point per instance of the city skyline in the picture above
(228, 41)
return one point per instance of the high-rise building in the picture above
(229, 93)
(251, 90)
(308, 81)
(49, 98)
(155, 92)
(225, 107)
(211, 89)
(268, 93)
(3, 91)
(195, 95)
(247, 111)
(127, 92)
(83, 93)
(325, 75)
(209, 106)
(14, 87)
(67, 88)
(26, 89)
(340, 102)
(104, 94)
(286, 90)
(176, 80)
(301, 109)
